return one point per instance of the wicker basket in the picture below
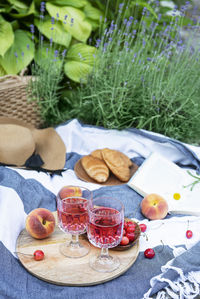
(14, 103)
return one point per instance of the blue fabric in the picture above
(16, 282)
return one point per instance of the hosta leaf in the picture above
(74, 3)
(80, 61)
(82, 53)
(25, 13)
(75, 22)
(59, 34)
(92, 12)
(23, 48)
(77, 71)
(6, 36)
(18, 5)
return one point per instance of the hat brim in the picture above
(48, 144)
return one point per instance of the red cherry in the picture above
(125, 225)
(38, 255)
(130, 229)
(124, 241)
(189, 234)
(149, 253)
(143, 227)
(130, 236)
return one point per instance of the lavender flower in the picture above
(52, 20)
(56, 53)
(28, 46)
(64, 53)
(16, 54)
(98, 41)
(32, 28)
(42, 7)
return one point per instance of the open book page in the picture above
(161, 176)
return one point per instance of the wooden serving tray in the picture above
(60, 270)
(112, 180)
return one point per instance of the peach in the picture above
(154, 206)
(69, 191)
(40, 223)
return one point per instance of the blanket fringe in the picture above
(186, 287)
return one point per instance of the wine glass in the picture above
(72, 218)
(105, 230)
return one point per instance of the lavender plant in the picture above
(144, 78)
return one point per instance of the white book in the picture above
(159, 175)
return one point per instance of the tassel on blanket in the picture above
(186, 287)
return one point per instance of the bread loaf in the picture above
(118, 163)
(95, 168)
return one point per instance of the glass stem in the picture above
(104, 253)
(75, 241)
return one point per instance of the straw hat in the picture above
(22, 145)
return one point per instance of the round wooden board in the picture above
(112, 180)
(60, 270)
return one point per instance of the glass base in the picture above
(105, 263)
(75, 250)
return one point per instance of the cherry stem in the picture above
(162, 246)
(145, 235)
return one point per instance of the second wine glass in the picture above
(104, 230)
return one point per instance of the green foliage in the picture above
(66, 22)
(143, 79)
(19, 55)
(6, 36)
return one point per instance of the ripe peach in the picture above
(40, 223)
(153, 206)
(68, 191)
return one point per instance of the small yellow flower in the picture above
(176, 196)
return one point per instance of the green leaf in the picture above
(73, 3)
(22, 14)
(92, 12)
(59, 34)
(80, 61)
(13, 64)
(77, 71)
(79, 28)
(18, 4)
(6, 36)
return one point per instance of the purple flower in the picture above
(121, 5)
(47, 50)
(64, 53)
(32, 28)
(28, 46)
(65, 18)
(22, 54)
(148, 59)
(41, 17)
(51, 41)
(52, 20)
(42, 7)
(56, 53)
(57, 15)
(144, 11)
(16, 54)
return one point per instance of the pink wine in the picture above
(73, 215)
(105, 227)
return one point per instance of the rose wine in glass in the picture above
(104, 230)
(72, 214)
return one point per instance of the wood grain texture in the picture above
(112, 180)
(60, 270)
